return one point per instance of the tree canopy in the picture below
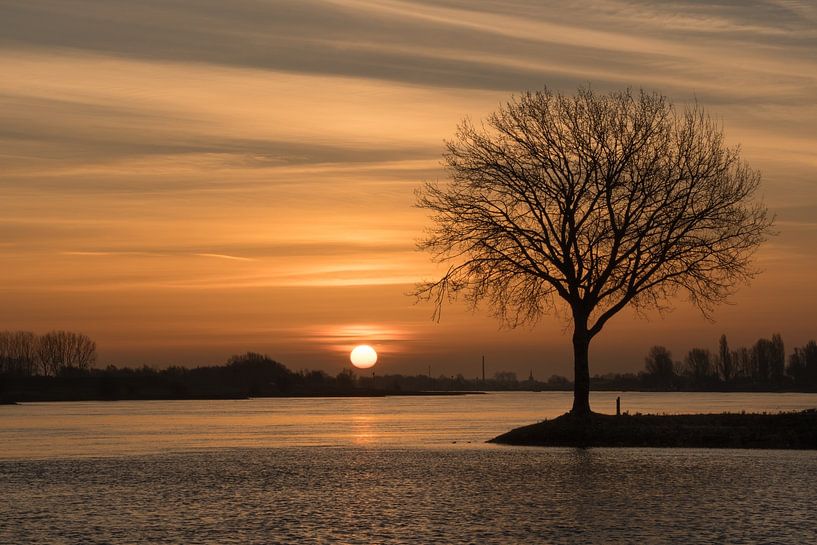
(600, 201)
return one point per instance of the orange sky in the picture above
(186, 180)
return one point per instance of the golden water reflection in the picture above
(363, 431)
(46, 430)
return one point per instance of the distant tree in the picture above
(796, 368)
(598, 201)
(803, 365)
(346, 378)
(64, 349)
(558, 381)
(254, 360)
(777, 361)
(764, 353)
(18, 352)
(315, 377)
(726, 370)
(256, 372)
(743, 362)
(659, 367)
(698, 364)
(505, 376)
(809, 355)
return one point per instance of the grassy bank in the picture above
(795, 430)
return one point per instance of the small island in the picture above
(791, 430)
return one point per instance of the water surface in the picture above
(98, 428)
(385, 470)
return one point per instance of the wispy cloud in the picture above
(110, 254)
(388, 339)
(448, 44)
(228, 257)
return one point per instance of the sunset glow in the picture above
(182, 203)
(408, 271)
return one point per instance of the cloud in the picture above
(227, 257)
(388, 338)
(477, 45)
(73, 132)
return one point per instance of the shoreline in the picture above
(28, 396)
(787, 430)
(19, 400)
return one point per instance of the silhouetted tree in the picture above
(726, 370)
(59, 349)
(315, 377)
(18, 352)
(698, 365)
(777, 363)
(558, 381)
(255, 372)
(601, 201)
(659, 367)
(505, 376)
(803, 365)
(761, 354)
(346, 378)
(743, 362)
(796, 368)
(809, 352)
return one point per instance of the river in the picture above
(386, 470)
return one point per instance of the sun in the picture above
(363, 356)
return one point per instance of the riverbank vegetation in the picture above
(761, 367)
(796, 430)
(60, 365)
(242, 376)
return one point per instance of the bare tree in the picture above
(658, 365)
(18, 352)
(777, 367)
(65, 349)
(50, 353)
(803, 365)
(601, 201)
(767, 357)
(744, 362)
(505, 376)
(698, 365)
(725, 365)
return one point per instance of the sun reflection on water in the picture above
(363, 430)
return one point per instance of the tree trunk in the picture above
(581, 368)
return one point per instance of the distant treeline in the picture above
(245, 375)
(760, 367)
(58, 366)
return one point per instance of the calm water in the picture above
(385, 470)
